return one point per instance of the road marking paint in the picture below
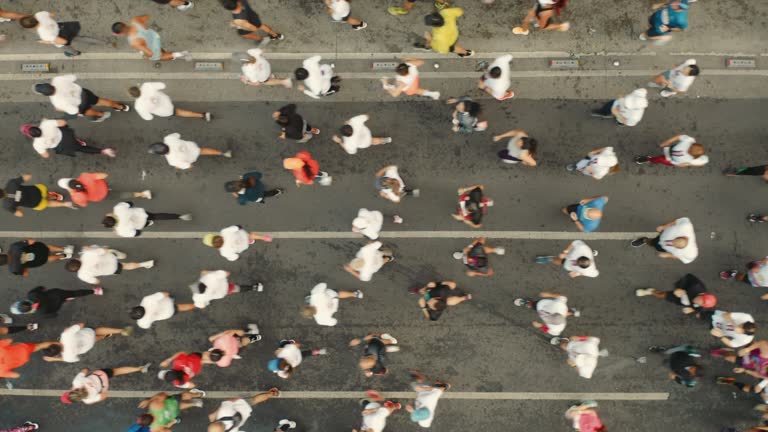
(313, 235)
(361, 395)
(599, 73)
(133, 55)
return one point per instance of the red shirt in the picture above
(96, 189)
(309, 171)
(190, 364)
(589, 422)
(13, 356)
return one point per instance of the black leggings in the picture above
(607, 108)
(14, 328)
(752, 171)
(162, 216)
(68, 294)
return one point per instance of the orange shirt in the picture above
(96, 189)
(13, 356)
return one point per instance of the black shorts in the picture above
(109, 372)
(346, 18)
(656, 243)
(69, 30)
(87, 101)
(573, 208)
(162, 2)
(672, 298)
(452, 48)
(119, 268)
(539, 10)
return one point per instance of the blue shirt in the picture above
(590, 224)
(254, 193)
(669, 17)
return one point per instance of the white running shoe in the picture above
(387, 336)
(146, 194)
(147, 264)
(186, 217)
(187, 6)
(642, 292)
(68, 251)
(291, 424)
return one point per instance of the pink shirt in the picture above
(589, 422)
(230, 345)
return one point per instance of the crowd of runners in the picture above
(53, 137)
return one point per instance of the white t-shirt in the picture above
(236, 241)
(230, 408)
(339, 9)
(413, 74)
(369, 223)
(181, 153)
(377, 420)
(258, 71)
(153, 102)
(372, 258)
(95, 262)
(92, 385)
(678, 153)
(632, 106)
(758, 275)
(157, 307)
(428, 400)
(216, 287)
(599, 165)
(585, 354)
(48, 28)
(50, 136)
(326, 303)
(292, 355)
(361, 135)
(76, 341)
(679, 81)
(67, 96)
(500, 85)
(682, 228)
(547, 307)
(319, 80)
(729, 330)
(130, 220)
(580, 249)
(393, 174)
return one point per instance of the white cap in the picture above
(637, 99)
(64, 183)
(255, 52)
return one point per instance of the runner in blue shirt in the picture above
(668, 17)
(588, 213)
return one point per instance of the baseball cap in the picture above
(16, 307)
(208, 239)
(64, 183)
(707, 300)
(420, 414)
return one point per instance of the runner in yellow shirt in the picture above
(445, 33)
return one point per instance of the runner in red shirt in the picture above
(473, 204)
(585, 418)
(185, 366)
(306, 170)
(92, 187)
(13, 356)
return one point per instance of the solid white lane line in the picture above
(611, 73)
(311, 235)
(123, 394)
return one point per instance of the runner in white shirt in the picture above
(77, 340)
(233, 240)
(157, 307)
(680, 151)
(577, 259)
(496, 81)
(597, 163)
(151, 101)
(375, 412)
(369, 259)
(50, 136)
(553, 310)
(323, 302)
(181, 154)
(288, 357)
(734, 329)
(129, 221)
(340, 11)
(50, 32)
(69, 97)
(257, 71)
(56, 135)
(98, 261)
(215, 285)
(232, 414)
(92, 387)
(583, 353)
(676, 240)
(391, 186)
(407, 81)
(368, 223)
(356, 135)
(756, 275)
(423, 409)
(676, 80)
(317, 80)
(627, 110)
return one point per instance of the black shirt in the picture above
(49, 301)
(679, 362)
(376, 349)
(477, 259)
(294, 129)
(37, 255)
(693, 287)
(19, 195)
(441, 292)
(247, 14)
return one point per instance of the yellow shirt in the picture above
(446, 36)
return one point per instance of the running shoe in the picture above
(640, 160)
(638, 242)
(755, 218)
(397, 11)
(728, 274)
(544, 259)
